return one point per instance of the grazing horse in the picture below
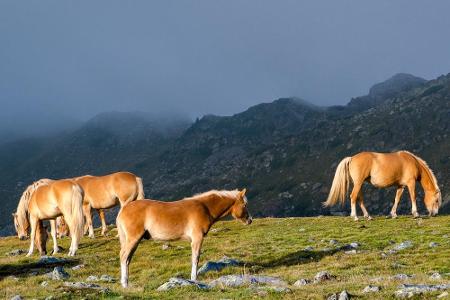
(46, 200)
(398, 169)
(101, 192)
(189, 219)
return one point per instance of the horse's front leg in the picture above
(101, 214)
(398, 196)
(412, 194)
(54, 237)
(196, 245)
(33, 224)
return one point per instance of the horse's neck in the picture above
(426, 180)
(218, 206)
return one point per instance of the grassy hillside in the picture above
(267, 247)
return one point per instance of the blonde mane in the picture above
(427, 169)
(22, 208)
(221, 193)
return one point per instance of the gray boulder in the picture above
(218, 265)
(82, 285)
(17, 297)
(58, 273)
(323, 276)
(176, 282)
(78, 267)
(16, 252)
(344, 295)
(409, 290)
(48, 260)
(403, 245)
(436, 276)
(242, 280)
(301, 282)
(433, 245)
(371, 289)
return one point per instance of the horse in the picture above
(398, 169)
(189, 219)
(102, 192)
(45, 200)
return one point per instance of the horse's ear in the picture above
(243, 192)
(14, 215)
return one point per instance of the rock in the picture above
(409, 290)
(12, 277)
(16, 252)
(218, 265)
(401, 277)
(334, 242)
(443, 295)
(176, 282)
(165, 246)
(107, 278)
(301, 229)
(301, 282)
(371, 289)
(82, 285)
(49, 298)
(44, 283)
(309, 248)
(323, 276)
(435, 276)
(351, 252)
(17, 297)
(47, 260)
(241, 280)
(433, 245)
(77, 267)
(344, 295)
(58, 273)
(332, 297)
(92, 278)
(354, 245)
(262, 290)
(403, 245)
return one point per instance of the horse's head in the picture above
(433, 200)
(239, 210)
(21, 225)
(62, 228)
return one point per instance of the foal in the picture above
(189, 219)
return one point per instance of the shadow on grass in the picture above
(24, 269)
(299, 257)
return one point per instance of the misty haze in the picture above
(322, 127)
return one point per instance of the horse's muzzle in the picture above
(249, 221)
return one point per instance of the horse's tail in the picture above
(140, 187)
(76, 221)
(340, 184)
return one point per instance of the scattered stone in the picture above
(77, 267)
(262, 290)
(309, 248)
(241, 280)
(323, 276)
(443, 295)
(433, 245)
(107, 278)
(409, 290)
(397, 265)
(58, 273)
(16, 252)
(92, 278)
(176, 282)
(344, 295)
(435, 276)
(218, 265)
(371, 289)
(354, 245)
(403, 245)
(401, 277)
(82, 285)
(334, 242)
(49, 298)
(47, 260)
(12, 277)
(351, 252)
(33, 273)
(301, 229)
(17, 297)
(165, 246)
(44, 283)
(301, 282)
(377, 279)
(333, 297)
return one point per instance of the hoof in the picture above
(369, 218)
(28, 254)
(356, 219)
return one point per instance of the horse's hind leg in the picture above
(101, 214)
(53, 233)
(363, 207)
(354, 198)
(412, 194)
(398, 196)
(127, 249)
(88, 216)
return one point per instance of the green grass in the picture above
(268, 246)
